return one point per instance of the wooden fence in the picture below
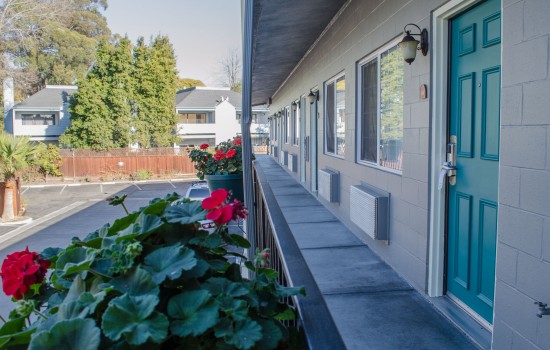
(122, 163)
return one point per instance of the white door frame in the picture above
(440, 69)
(302, 158)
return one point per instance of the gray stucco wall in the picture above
(363, 27)
(523, 251)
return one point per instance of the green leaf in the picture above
(136, 282)
(74, 260)
(75, 334)
(246, 334)
(271, 334)
(216, 285)
(156, 208)
(141, 228)
(237, 309)
(240, 241)
(283, 292)
(185, 213)
(169, 262)
(195, 312)
(51, 254)
(198, 271)
(14, 333)
(135, 319)
(122, 223)
(269, 273)
(286, 315)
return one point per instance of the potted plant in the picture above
(151, 280)
(222, 167)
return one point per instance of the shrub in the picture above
(142, 174)
(151, 280)
(48, 160)
(226, 159)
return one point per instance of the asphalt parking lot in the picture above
(62, 212)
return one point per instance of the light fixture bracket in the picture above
(423, 34)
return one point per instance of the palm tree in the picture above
(15, 155)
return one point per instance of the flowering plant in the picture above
(21, 271)
(151, 280)
(226, 158)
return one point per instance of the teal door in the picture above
(474, 128)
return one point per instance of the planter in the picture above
(15, 189)
(233, 182)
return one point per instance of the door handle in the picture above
(448, 168)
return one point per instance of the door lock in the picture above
(448, 168)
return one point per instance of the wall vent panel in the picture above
(369, 210)
(329, 185)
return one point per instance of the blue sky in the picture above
(202, 31)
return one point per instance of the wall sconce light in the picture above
(313, 96)
(409, 45)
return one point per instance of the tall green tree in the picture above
(156, 78)
(91, 122)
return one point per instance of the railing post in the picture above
(246, 121)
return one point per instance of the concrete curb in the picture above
(110, 183)
(20, 232)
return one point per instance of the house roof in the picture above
(206, 98)
(52, 96)
(282, 35)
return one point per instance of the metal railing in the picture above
(272, 231)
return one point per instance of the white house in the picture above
(211, 115)
(43, 116)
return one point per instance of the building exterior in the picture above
(43, 116)
(211, 115)
(458, 140)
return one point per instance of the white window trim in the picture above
(361, 63)
(331, 80)
(287, 126)
(295, 120)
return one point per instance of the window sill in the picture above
(381, 168)
(334, 156)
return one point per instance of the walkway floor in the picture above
(372, 306)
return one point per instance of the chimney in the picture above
(8, 96)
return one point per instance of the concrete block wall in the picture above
(361, 29)
(523, 250)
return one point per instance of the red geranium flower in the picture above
(204, 146)
(230, 154)
(239, 210)
(238, 141)
(20, 271)
(219, 155)
(219, 212)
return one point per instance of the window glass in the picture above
(391, 109)
(329, 120)
(381, 109)
(287, 124)
(38, 119)
(296, 122)
(196, 118)
(369, 111)
(340, 116)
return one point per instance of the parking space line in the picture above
(170, 182)
(63, 189)
(25, 190)
(139, 188)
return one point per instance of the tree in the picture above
(186, 83)
(49, 41)
(91, 122)
(15, 155)
(155, 80)
(231, 70)
(128, 97)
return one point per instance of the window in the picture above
(286, 124)
(296, 123)
(380, 110)
(196, 118)
(254, 118)
(335, 116)
(38, 119)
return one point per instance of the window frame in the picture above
(334, 79)
(24, 115)
(358, 120)
(287, 125)
(295, 123)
